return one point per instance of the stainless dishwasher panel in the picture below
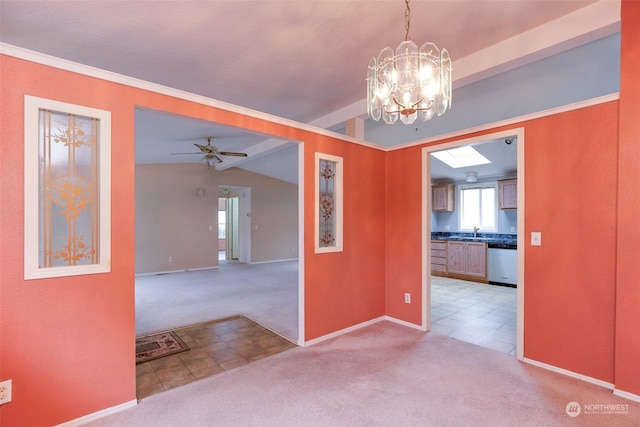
(503, 266)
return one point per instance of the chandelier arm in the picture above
(397, 102)
(413, 106)
(408, 110)
(422, 108)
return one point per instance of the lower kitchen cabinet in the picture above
(467, 260)
(438, 258)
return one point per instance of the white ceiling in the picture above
(300, 60)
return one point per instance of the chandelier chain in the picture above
(407, 18)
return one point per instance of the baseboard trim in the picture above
(568, 373)
(626, 395)
(100, 414)
(275, 260)
(213, 267)
(159, 273)
(342, 331)
(403, 323)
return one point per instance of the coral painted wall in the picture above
(570, 181)
(361, 265)
(404, 235)
(627, 366)
(570, 196)
(68, 343)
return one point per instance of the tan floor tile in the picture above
(224, 356)
(173, 371)
(143, 368)
(214, 347)
(221, 346)
(199, 364)
(165, 362)
(147, 380)
(178, 381)
(141, 393)
(208, 371)
(231, 364)
(192, 354)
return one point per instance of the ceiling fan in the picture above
(211, 153)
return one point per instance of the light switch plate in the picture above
(536, 238)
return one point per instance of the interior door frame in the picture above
(232, 224)
(426, 226)
(243, 232)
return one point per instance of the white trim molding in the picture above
(343, 331)
(626, 395)
(404, 323)
(100, 414)
(569, 373)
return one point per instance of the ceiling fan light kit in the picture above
(410, 82)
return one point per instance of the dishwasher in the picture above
(503, 264)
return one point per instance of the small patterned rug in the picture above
(154, 346)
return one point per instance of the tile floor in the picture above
(214, 347)
(477, 313)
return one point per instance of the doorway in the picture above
(234, 223)
(430, 285)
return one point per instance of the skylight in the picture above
(461, 157)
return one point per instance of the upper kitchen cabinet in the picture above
(508, 193)
(442, 199)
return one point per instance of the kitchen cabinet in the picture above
(467, 260)
(508, 194)
(438, 258)
(442, 198)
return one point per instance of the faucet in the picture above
(475, 232)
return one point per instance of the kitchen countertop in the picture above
(490, 238)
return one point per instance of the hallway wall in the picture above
(172, 221)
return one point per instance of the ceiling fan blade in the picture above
(230, 153)
(174, 154)
(205, 148)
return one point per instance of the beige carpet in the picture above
(266, 293)
(382, 375)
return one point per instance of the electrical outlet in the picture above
(5, 392)
(407, 298)
(170, 259)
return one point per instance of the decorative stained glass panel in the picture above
(328, 203)
(66, 154)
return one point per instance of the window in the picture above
(328, 203)
(67, 178)
(478, 207)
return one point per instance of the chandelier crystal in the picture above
(410, 82)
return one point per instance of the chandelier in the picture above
(410, 82)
